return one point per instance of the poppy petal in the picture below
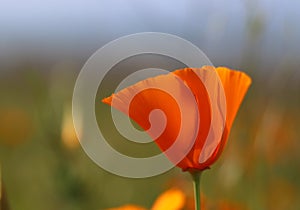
(209, 93)
(235, 84)
(169, 94)
(218, 114)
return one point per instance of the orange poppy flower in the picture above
(187, 101)
(172, 199)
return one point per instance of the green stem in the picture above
(196, 183)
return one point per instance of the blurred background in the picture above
(43, 46)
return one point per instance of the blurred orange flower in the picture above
(68, 134)
(128, 207)
(145, 99)
(16, 126)
(175, 199)
(172, 199)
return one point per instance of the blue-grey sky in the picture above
(220, 28)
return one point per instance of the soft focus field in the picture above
(44, 167)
